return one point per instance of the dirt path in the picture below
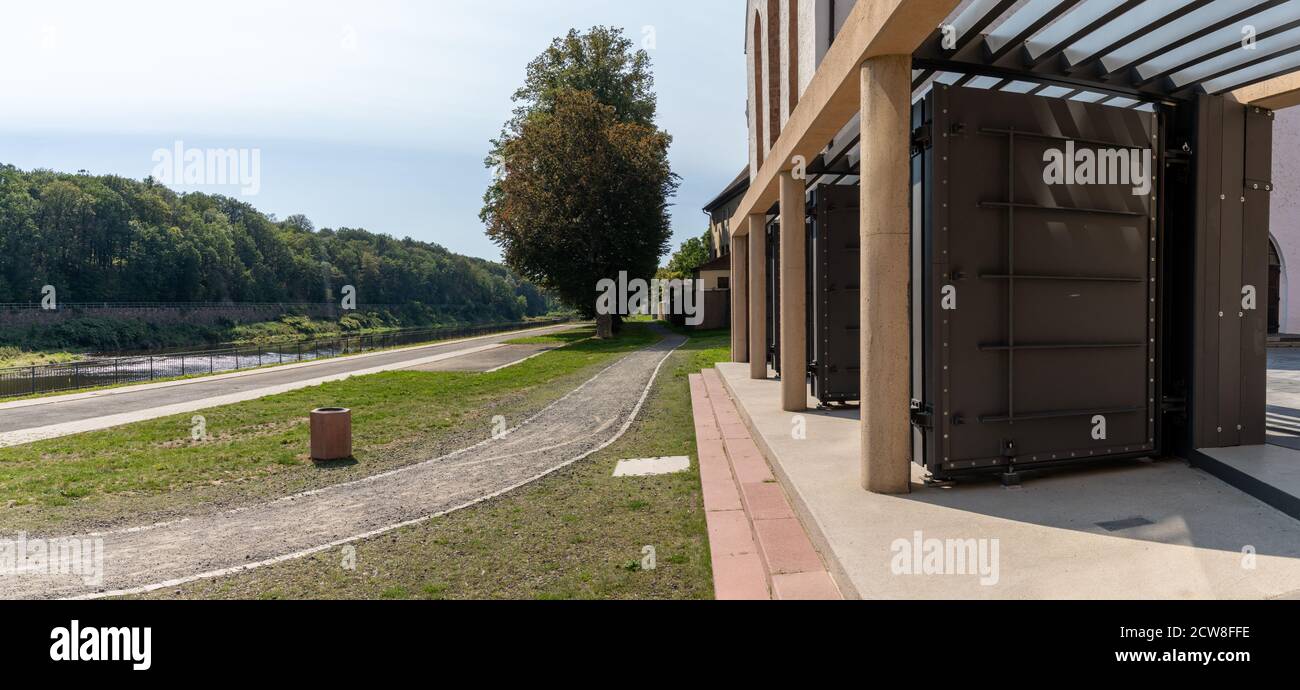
(145, 558)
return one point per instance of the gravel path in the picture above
(145, 558)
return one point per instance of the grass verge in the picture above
(187, 377)
(578, 533)
(258, 449)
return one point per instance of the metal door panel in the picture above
(1048, 352)
(834, 299)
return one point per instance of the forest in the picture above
(104, 238)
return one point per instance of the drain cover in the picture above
(1126, 523)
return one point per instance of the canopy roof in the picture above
(1145, 50)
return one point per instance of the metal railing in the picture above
(191, 306)
(93, 373)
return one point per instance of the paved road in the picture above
(27, 421)
(144, 558)
(487, 360)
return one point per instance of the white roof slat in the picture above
(1055, 91)
(1088, 96)
(1019, 21)
(1146, 14)
(1071, 23)
(1264, 21)
(1255, 72)
(1170, 33)
(1227, 61)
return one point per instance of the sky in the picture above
(371, 115)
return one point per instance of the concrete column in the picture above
(757, 297)
(885, 339)
(740, 299)
(794, 331)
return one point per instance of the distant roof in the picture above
(1128, 50)
(737, 187)
(720, 263)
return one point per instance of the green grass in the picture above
(11, 356)
(578, 533)
(167, 379)
(259, 448)
(561, 338)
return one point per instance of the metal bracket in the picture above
(921, 138)
(921, 414)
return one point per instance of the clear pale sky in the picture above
(367, 114)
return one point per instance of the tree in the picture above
(582, 185)
(112, 239)
(691, 255)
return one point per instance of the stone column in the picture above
(885, 338)
(794, 336)
(739, 299)
(757, 297)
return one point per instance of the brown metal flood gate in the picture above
(1037, 314)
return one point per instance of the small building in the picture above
(716, 272)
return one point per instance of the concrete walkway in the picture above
(27, 421)
(1133, 531)
(150, 557)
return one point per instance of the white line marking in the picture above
(135, 388)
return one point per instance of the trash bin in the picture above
(331, 433)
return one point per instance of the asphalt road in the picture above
(42, 418)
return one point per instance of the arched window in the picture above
(756, 51)
(1276, 283)
(773, 71)
(793, 68)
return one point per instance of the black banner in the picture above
(147, 640)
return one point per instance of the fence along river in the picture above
(100, 371)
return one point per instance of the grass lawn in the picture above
(578, 533)
(17, 357)
(561, 338)
(258, 449)
(56, 357)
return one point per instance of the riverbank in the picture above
(76, 339)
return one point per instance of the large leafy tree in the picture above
(692, 254)
(583, 180)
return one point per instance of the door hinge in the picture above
(921, 414)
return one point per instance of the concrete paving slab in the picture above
(1205, 539)
(646, 467)
(811, 586)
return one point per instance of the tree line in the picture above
(113, 239)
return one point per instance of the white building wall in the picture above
(1284, 213)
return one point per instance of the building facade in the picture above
(853, 96)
